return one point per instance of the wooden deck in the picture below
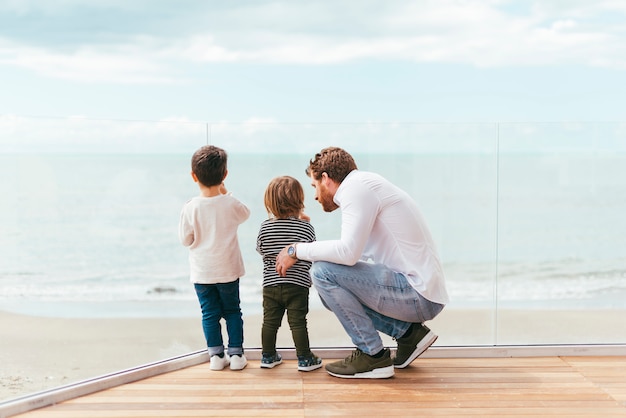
(566, 386)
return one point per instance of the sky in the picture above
(284, 62)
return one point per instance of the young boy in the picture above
(284, 201)
(208, 226)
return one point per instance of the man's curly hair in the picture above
(336, 162)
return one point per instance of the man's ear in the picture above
(329, 183)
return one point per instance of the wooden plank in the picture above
(470, 387)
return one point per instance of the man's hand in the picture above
(284, 262)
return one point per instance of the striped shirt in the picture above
(276, 234)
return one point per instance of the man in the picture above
(383, 274)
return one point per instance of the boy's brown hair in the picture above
(284, 197)
(209, 165)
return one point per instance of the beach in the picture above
(40, 353)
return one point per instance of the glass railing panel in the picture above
(92, 277)
(450, 169)
(561, 262)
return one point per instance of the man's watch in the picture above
(291, 251)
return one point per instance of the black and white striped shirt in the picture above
(276, 234)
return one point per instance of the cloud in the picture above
(127, 63)
(78, 134)
(478, 33)
(126, 45)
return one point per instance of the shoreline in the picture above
(39, 353)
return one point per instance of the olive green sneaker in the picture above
(359, 365)
(411, 346)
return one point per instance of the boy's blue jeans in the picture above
(367, 298)
(219, 301)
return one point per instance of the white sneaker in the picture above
(218, 363)
(238, 362)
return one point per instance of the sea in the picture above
(95, 234)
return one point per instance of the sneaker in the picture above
(219, 361)
(362, 366)
(269, 361)
(308, 363)
(238, 361)
(411, 346)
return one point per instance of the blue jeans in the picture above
(367, 298)
(219, 301)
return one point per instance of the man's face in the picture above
(324, 192)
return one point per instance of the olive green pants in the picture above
(276, 300)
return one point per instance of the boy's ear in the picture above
(225, 174)
(194, 177)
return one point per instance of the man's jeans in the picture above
(369, 297)
(219, 301)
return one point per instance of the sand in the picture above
(39, 353)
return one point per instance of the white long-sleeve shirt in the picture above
(208, 226)
(382, 223)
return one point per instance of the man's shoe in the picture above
(308, 363)
(359, 365)
(270, 360)
(411, 346)
(238, 362)
(218, 362)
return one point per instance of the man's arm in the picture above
(359, 209)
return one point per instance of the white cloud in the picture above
(472, 32)
(122, 64)
(477, 33)
(78, 134)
